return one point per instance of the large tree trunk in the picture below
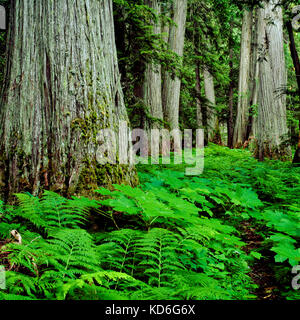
(62, 87)
(171, 86)
(271, 121)
(242, 117)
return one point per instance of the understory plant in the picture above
(172, 237)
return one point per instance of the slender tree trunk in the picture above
(198, 97)
(213, 128)
(244, 82)
(294, 53)
(120, 25)
(230, 124)
(165, 28)
(171, 86)
(209, 89)
(153, 83)
(296, 159)
(62, 87)
(153, 86)
(271, 121)
(254, 81)
(199, 110)
(296, 62)
(165, 37)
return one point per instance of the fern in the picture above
(53, 211)
(177, 236)
(118, 251)
(159, 261)
(74, 252)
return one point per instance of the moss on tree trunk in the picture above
(62, 86)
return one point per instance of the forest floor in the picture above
(231, 233)
(261, 272)
(267, 217)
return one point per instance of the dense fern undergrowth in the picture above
(173, 237)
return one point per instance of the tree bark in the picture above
(230, 124)
(254, 81)
(198, 96)
(213, 129)
(199, 109)
(62, 86)
(165, 27)
(242, 117)
(152, 81)
(153, 89)
(171, 86)
(271, 121)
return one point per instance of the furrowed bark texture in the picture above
(271, 121)
(62, 87)
(171, 87)
(153, 82)
(244, 82)
(254, 78)
(153, 88)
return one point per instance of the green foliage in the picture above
(173, 237)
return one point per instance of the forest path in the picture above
(261, 273)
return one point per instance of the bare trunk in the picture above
(153, 86)
(271, 121)
(62, 87)
(213, 130)
(171, 87)
(254, 78)
(152, 83)
(165, 28)
(244, 82)
(198, 99)
(165, 37)
(294, 53)
(199, 109)
(230, 125)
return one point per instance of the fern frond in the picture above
(74, 252)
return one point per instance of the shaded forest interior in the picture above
(79, 219)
